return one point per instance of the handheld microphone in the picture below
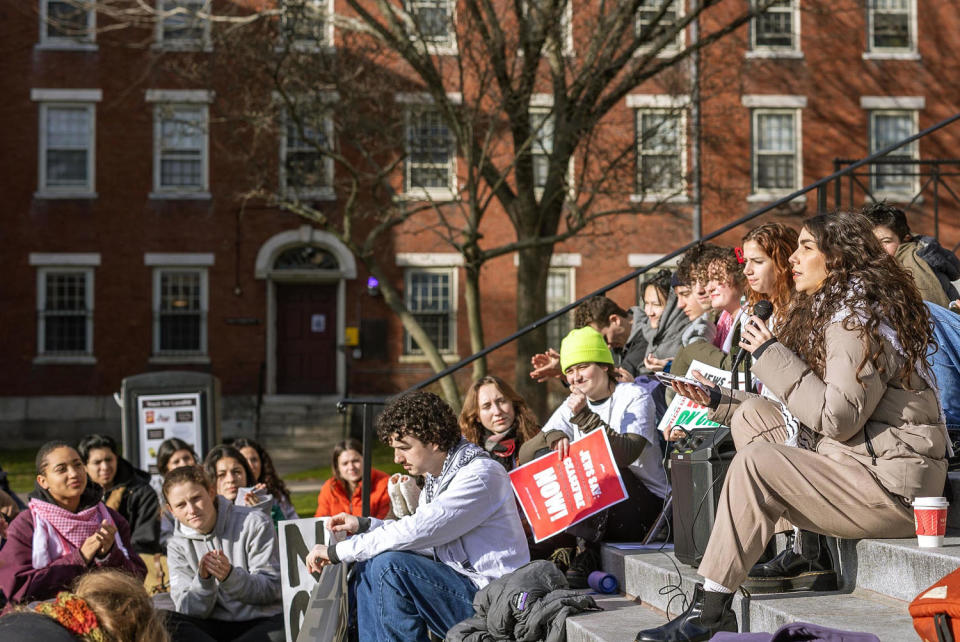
(764, 310)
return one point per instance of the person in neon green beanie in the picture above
(625, 412)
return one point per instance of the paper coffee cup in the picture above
(930, 518)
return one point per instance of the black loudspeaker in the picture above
(698, 466)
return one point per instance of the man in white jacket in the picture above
(421, 572)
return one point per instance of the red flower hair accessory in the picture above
(75, 615)
(739, 252)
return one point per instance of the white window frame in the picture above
(445, 46)
(165, 100)
(85, 43)
(897, 53)
(681, 38)
(424, 102)
(168, 264)
(72, 99)
(571, 273)
(324, 7)
(57, 263)
(409, 354)
(677, 192)
(566, 26)
(768, 51)
(760, 104)
(202, 44)
(540, 147)
(911, 151)
(325, 193)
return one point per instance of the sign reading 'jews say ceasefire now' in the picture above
(556, 494)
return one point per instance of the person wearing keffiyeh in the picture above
(66, 531)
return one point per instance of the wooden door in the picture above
(306, 338)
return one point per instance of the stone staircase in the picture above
(878, 579)
(300, 427)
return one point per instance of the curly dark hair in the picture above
(525, 421)
(719, 264)
(419, 414)
(687, 266)
(890, 216)
(778, 242)
(268, 474)
(885, 293)
(597, 310)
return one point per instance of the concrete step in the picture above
(650, 575)
(619, 621)
(901, 569)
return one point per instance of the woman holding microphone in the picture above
(848, 364)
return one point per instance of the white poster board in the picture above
(297, 537)
(685, 413)
(161, 417)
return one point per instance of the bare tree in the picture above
(522, 91)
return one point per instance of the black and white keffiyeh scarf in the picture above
(458, 457)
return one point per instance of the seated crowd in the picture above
(833, 408)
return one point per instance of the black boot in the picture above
(708, 613)
(586, 560)
(809, 570)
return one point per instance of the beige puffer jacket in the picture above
(893, 432)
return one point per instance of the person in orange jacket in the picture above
(342, 493)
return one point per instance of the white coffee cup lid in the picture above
(930, 502)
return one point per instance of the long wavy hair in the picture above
(778, 242)
(472, 429)
(268, 474)
(867, 282)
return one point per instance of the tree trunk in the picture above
(395, 301)
(534, 264)
(474, 318)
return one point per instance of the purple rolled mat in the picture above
(603, 582)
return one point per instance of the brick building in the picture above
(128, 249)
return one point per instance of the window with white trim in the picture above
(66, 23)
(183, 24)
(656, 17)
(429, 165)
(66, 148)
(886, 128)
(559, 294)
(179, 311)
(307, 23)
(660, 147)
(432, 21)
(180, 148)
(431, 297)
(65, 311)
(542, 131)
(777, 28)
(306, 169)
(776, 150)
(891, 26)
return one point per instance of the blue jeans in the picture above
(400, 595)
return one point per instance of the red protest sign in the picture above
(557, 494)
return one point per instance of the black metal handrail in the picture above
(822, 188)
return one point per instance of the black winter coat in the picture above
(134, 498)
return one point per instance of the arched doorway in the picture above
(306, 272)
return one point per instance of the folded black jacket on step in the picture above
(528, 605)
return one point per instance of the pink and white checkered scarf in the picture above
(57, 532)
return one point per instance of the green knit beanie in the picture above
(584, 345)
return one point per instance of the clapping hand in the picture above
(215, 563)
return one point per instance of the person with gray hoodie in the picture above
(224, 566)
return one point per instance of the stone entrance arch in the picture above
(292, 261)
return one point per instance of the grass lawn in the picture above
(306, 502)
(20, 468)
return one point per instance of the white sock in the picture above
(710, 585)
